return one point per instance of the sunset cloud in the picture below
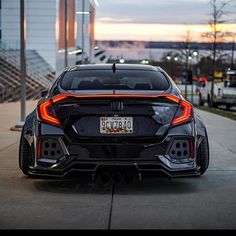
(159, 20)
(153, 32)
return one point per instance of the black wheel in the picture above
(26, 156)
(201, 103)
(203, 155)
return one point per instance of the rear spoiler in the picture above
(62, 97)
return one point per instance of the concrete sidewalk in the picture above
(9, 117)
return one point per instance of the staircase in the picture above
(39, 75)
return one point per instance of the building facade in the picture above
(85, 14)
(45, 27)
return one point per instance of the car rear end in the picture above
(124, 120)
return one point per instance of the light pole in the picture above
(65, 35)
(190, 77)
(82, 59)
(22, 61)
(83, 13)
(232, 58)
(197, 54)
(186, 73)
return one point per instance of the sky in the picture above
(156, 20)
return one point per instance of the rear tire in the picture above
(26, 155)
(203, 155)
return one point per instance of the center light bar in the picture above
(62, 97)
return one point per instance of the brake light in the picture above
(183, 114)
(62, 97)
(47, 114)
(172, 98)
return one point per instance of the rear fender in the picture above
(28, 128)
(200, 129)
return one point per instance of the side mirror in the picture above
(44, 93)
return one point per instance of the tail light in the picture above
(184, 113)
(62, 97)
(47, 113)
(39, 148)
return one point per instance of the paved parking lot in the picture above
(208, 202)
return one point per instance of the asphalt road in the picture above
(208, 202)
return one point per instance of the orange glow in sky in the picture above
(153, 32)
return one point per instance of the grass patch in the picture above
(227, 114)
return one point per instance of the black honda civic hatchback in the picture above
(123, 119)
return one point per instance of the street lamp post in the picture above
(190, 77)
(232, 58)
(83, 8)
(186, 73)
(83, 13)
(22, 61)
(65, 35)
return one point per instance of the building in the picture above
(85, 15)
(0, 19)
(45, 27)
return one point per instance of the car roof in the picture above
(109, 67)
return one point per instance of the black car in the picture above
(121, 119)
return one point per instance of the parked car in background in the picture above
(224, 91)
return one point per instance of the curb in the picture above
(15, 128)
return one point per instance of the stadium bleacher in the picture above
(39, 74)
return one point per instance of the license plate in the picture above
(116, 125)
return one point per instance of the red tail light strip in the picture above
(62, 97)
(45, 115)
(172, 98)
(187, 112)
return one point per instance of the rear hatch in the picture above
(105, 117)
(117, 102)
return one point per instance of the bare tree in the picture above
(185, 48)
(186, 55)
(216, 35)
(232, 38)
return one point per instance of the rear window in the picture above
(121, 80)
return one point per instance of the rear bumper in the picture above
(145, 167)
(162, 165)
(143, 156)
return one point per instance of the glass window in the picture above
(120, 80)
